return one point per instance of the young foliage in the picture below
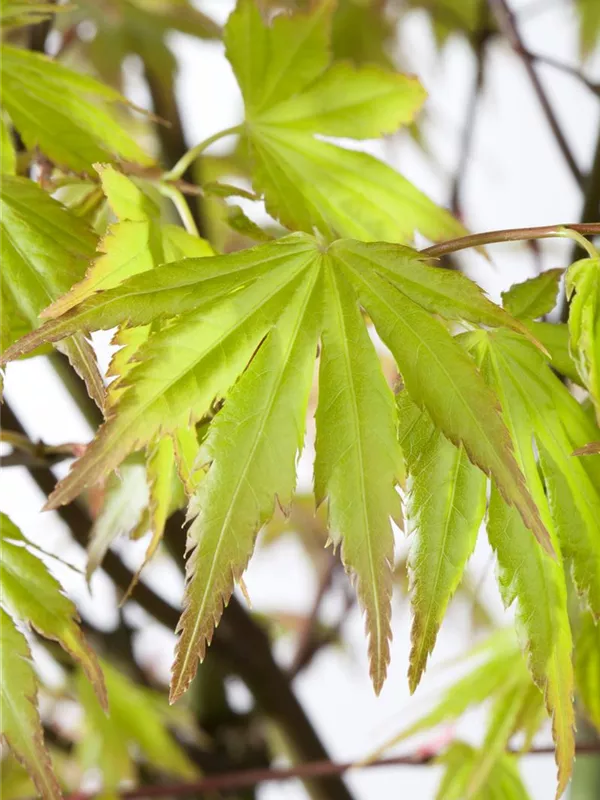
(251, 308)
(44, 250)
(292, 92)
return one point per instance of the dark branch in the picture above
(507, 24)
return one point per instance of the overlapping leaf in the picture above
(225, 312)
(291, 93)
(535, 297)
(446, 502)
(526, 573)
(44, 251)
(63, 112)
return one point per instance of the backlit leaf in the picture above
(525, 572)
(290, 95)
(252, 448)
(358, 461)
(446, 502)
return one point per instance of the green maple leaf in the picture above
(526, 573)
(291, 94)
(583, 289)
(44, 251)
(136, 244)
(255, 317)
(62, 112)
(30, 596)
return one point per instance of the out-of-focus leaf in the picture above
(504, 781)
(8, 156)
(136, 722)
(587, 667)
(32, 596)
(589, 25)
(62, 112)
(20, 722)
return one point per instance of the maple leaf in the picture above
(253, 317)
(293, 93)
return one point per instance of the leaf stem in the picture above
(580, 240)
(181, 205)
(192, 154)
(509, 235)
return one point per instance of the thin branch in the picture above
(307, 634)
(479, 46)
(252, 777)
(509, 235)
(566, 68)
(507, 24)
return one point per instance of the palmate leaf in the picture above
(583, 289)
(292, 93)
(62, 112)
(446, 501)
(226, 316)
(44, 251)
(525, 572)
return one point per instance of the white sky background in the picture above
(516, 178)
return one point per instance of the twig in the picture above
(252, 777)
(508, 26)
(509, 235)
(481, 38)
(307, 634)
